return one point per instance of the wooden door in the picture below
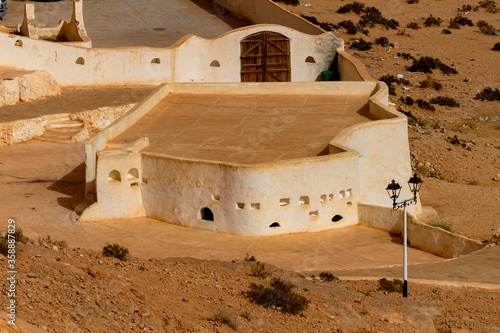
(265, 57)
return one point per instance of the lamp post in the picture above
(393, 189)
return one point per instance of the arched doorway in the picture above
(265, 57)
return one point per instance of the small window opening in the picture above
(134, 184)
(341, 194)
(144, 180)
(274, 225)
(310, 60)
(206, 214)
(216, 198)
(80, 61)
(133, 173)
(19, 43)
(304, 200)
(322, 198)
(330, 197)
(284, 202)
(155, 61)
(348, 193)
(349, 203)
(114, 176)
(313, 214)
(337, 218)
(255, 206)
(240, 205)
(215, 63)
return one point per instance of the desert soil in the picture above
(77, 290)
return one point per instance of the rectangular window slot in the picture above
(304, 200)
(322, 198)
(348, 193)
(341, 194)
(313, 214)
(255, 206)
(240, 205)
(134, 184)
(330, 197)
(284, 202)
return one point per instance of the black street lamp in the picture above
(394, 189)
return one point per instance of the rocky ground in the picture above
(76, 290)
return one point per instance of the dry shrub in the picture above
(425, 105)
(260, 270)
(355, 7)
(489, 5)
(49, 240)
(117, 251)
(328, 277)
(289, 2)
(431, 20)
(496, 47)
(488, 94)
(429, 82)
(225, 317)
(486, 28)
(427, 64)
(279, 296)
(413, 25)
(390, 286)
(445, 101)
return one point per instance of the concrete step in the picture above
(56, 119)
(66, 123)
(73, 130)
(58, 135)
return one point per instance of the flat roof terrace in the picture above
(246, 129)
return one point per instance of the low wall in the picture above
(420, 235)
(351, 69)
(268, 12)
(28, 87)
(189, 60)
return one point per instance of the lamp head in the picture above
(393, 189)
(415, 183)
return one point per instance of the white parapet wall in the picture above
(298, 195)
(189, 60)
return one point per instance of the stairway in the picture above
(64, 130)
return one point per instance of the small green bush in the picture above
(391, 286)
(328, 277)
(473, 182)
(412, 120)
(117, 251)
(280, 295)
(445, 101)
(441, 225)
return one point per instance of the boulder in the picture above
(36, 85)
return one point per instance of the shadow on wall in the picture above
(72, 185)
(222, 13)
